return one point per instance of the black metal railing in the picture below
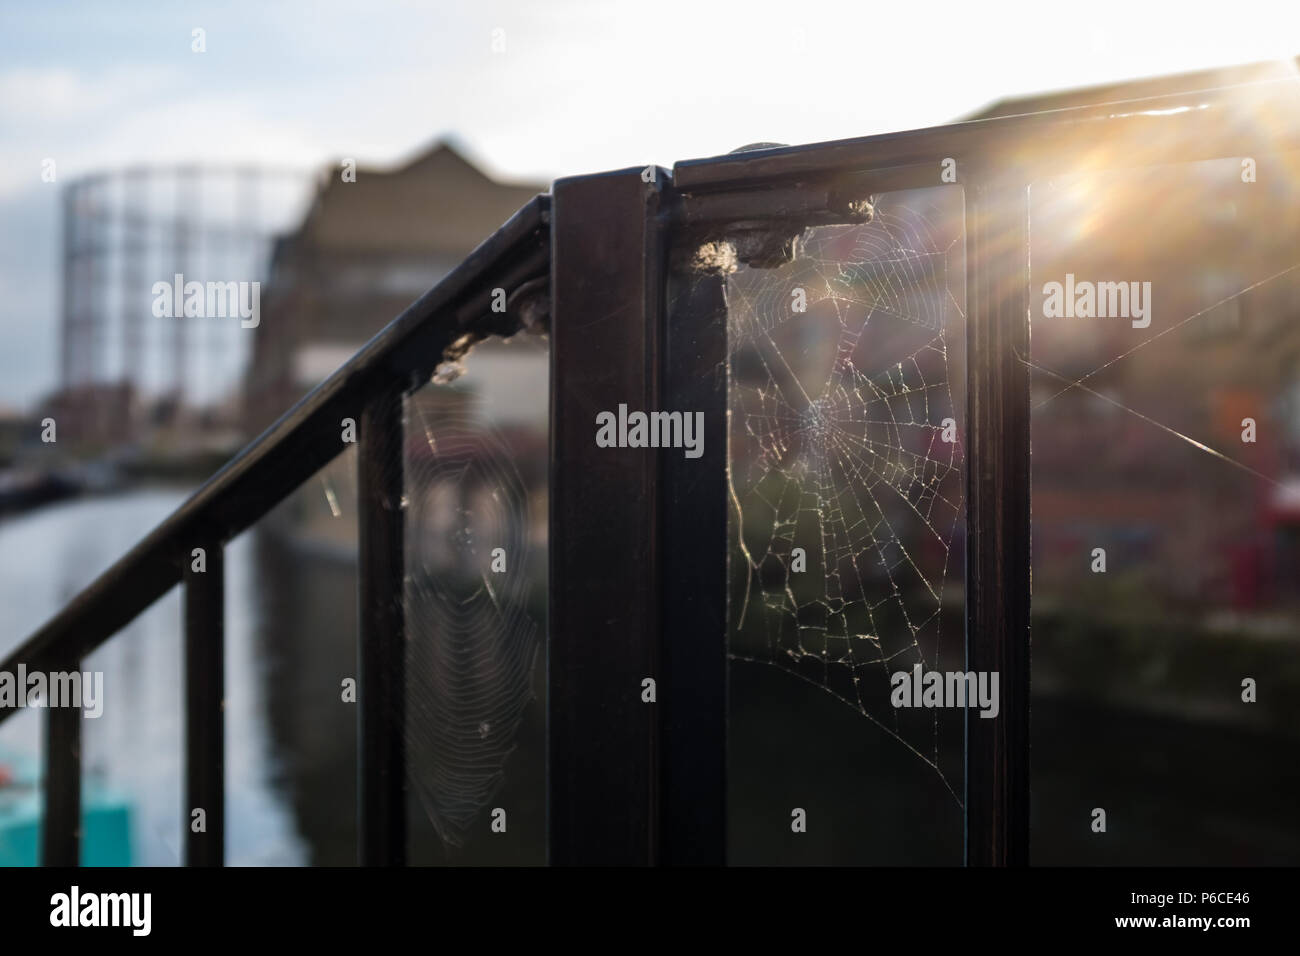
(398, 359)
(638, 543)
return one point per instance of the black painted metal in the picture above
(997, 519)
(205, 682)
(638, 536)
(693, 691)
(606, 288)
(381, 640)
(1179, 127)
(61, 821)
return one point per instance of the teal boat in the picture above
(105, 818)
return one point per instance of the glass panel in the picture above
(476, 536)
(131, 751)
(133, 763)
(847, 402)
(291, 642)
(1166, 460)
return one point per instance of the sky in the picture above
(529, 90)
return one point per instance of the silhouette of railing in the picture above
(638, 542)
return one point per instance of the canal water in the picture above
(133, 753)
(291, 620)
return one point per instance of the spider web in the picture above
(472, 641)
(837, 448)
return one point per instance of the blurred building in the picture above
(365, 250)
(1114, 471)
(16, 428)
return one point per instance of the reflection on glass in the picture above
(1166, 573)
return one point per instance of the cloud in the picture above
(52, 96)
(59, 113)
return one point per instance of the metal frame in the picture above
(638, 543)
(381, 638)
(638, 551)
(998, 519)
(452, 314)
(205, 727)
(606, 583)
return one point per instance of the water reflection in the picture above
(134, 751)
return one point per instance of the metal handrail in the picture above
(612, 237)
(444, 321)
(302, 440)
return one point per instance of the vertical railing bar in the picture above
(997, 542)
(61, 821)
(381, 643)
(694, 690)
(605, 561)
(205, 683)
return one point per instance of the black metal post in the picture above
(607, 302)
(381, 643)
(693, 692)
(205, 683)
(61, 822)
(997, 514)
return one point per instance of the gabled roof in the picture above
(436, 203)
